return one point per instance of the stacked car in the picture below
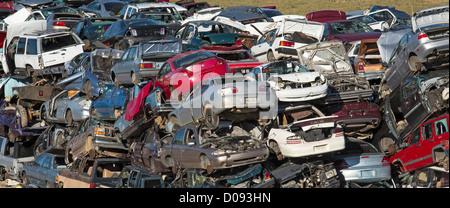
(128, 94)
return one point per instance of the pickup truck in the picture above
(12, 157)
(88, 173)
(43, 172)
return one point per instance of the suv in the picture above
(43, 52)
(426, 146)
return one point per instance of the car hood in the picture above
(304, 77)
(310, 28)
(389, 39)
(327, 57)
(222, 38)
(430, 16)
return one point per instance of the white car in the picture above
(291, 81)
(281, 41)
(305, 137)
(43, 52)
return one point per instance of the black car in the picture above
(163, 18)
(90, 29)
(124, 33)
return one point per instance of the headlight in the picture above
(99, 131)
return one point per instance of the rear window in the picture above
(192, 58)
(54, 43)
(358, 147)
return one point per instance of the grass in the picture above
(302, 7)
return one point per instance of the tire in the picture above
(276, 150)
(87, 45)
(69, 118)
(22, 113)
(414, 63)
(134, 78)
(271, 57)
(87, 89)
(211, 119)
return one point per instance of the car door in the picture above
(177, 145)
(412, 154)
(103, 106)
(33, 176)
(121, 70)
(19, 57)
(433, 133)
(190, 152)
(260, 50)
(412, 106)
(31, 52)
(79, 139)
(43, 171)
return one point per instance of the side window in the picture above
(427, 131)
(38, 16)
(46, 163)
(190, 137)
(178, 139)
(189, 33)
(441, 126)
(39, 161)
(32, 47)
(125, 55)
(79, 27)
(94, 6)
(132, 54)
(21, 46)
(165, 70)
(179, 33)
(409, 89)
(415, 137)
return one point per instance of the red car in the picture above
(180, 73)
(426, 146)
(238, 59)
(326, 15)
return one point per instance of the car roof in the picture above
(46, 33)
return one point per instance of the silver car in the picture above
(224, 99)
(425, 46)
(142, 61)
(361, 163)
(66, 107)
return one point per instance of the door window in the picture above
(441, 126)
(46, 163)
(178, 139)
(415, 137)
(427, 131)
(32, 47)
(21, 46)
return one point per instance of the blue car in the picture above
(110, 103)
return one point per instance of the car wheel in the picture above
(23, 115)
(87, 45)
(270, 56)
(69, 118)
(134, 79)
(414, 63)
(211, 119)
(276, 150)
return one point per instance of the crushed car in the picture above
(291, 81)
(191, 147)
(330, 59)
(66, 107)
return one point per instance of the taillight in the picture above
(163, 31)
(422, 35)
(92, 185)
(263, 88)
(105, 28)
(361, 67)
(385, 161)
(146, 65)
(58, 23)
(238, 42)
(341, 164)
(133, 32)
(287, 43)
(266, 176)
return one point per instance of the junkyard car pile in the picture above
(160, 95)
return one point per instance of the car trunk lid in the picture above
(431, 16)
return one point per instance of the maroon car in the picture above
(358, 119)
(146, 152)
(326, 15)
(349, 30)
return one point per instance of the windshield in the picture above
(349, 27)
(48, 12)
(365, 19)
(163, 19)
